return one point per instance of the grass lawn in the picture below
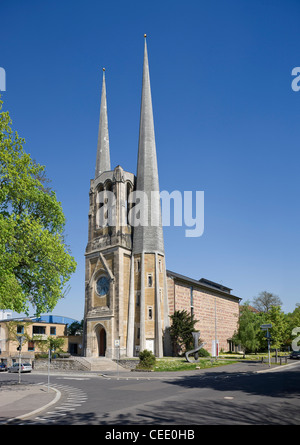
(180, 364)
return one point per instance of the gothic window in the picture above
(150, 280)
(137, 265)
(128, 206)
(150, 313)
(102, 286)
(99, 205)
(160, 265)
(138, 298)
(109, 186)
(110, 202)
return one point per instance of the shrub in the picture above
(147, 360)
(203, 353)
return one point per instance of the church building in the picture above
(129, 294)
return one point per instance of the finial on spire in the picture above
(103, 69)
(145, 35)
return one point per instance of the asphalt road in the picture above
(229, 395)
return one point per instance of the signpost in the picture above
(49, 361)
(117, 345)
(20, 340)
(266, 327)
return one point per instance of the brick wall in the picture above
(217, 314)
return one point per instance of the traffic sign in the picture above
(266, 326)
(20, 339)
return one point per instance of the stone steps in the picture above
(99, 364)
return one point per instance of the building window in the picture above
(31, 346)
(102, 286)
(137, 265)
(150, 280)
(20, 329)
(52, 330)
(39, 330)
(150, 313)
(138, 298)
(192, 301)
(160, 265)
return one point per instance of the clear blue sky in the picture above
(226, 120)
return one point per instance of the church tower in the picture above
(125, 278)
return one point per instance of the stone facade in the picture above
(108, 257)
(32, 331)
(125, 279)
(213, 305)
(128, 297)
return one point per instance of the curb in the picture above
(36, 411)
(277, 368)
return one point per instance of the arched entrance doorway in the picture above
(101, 339)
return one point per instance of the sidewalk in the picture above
(19, 401)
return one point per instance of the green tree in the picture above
(181, 330)
(280, 328)
(75, 328)
(50, 343)
(35, 263)
(248, 334)
(294, 317)
(293, 320)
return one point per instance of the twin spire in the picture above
(150, 237)
(103, 155)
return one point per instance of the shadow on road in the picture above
(283, 384)
(257, 399)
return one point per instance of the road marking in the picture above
(74, 398)
(73, 378)
(43, 419)
(65, 408)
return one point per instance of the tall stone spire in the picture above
(149, 277)
(148, 237)
(103, 155)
